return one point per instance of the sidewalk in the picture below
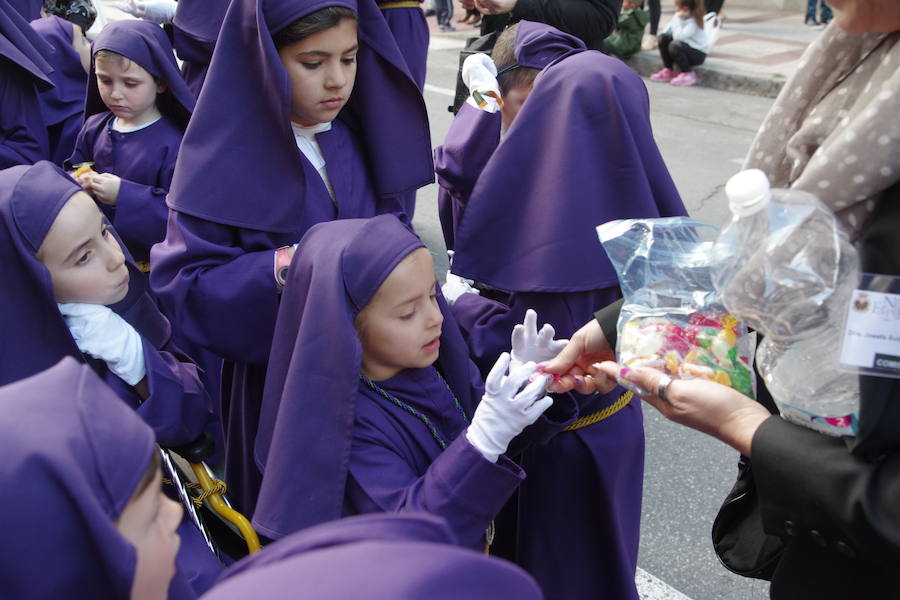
(757, 50)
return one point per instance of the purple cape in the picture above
(63, 105)
(35, 335)
(396, 557)
(29, 9)
(410, 30)
(303, 444)
(195, 29)
(23, 47)
(146, 44)
(73, 456)
(246, 77)
(69, 77)
(580, 152)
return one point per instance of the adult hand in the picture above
(706, 406)
(103, 334)
(504, 411)
(157, 11)
(530, 345)
(105, 187)
(574, 367)
(495, 7)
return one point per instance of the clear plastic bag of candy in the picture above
(672, 318)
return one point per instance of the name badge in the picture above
(872, 335)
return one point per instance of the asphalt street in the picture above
(703, 135)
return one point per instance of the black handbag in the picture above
(739, 540)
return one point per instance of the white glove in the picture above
(455, 286)
(157, 11)
(529, 345)
(504, 411)
(101, 333)
(480, 75)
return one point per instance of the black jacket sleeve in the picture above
(590, 20)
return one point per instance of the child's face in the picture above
(322, 68)
(85, 261)
(400, 328)
(513, 100)
(682, 9)
(127, 89)
(149, 522)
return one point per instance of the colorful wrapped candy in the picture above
(706, 346)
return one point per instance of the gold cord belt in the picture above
(144, 266)
(605, 413)
(402, 4)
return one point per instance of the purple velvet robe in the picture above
(36, 336)
(410, 30)
(359, 452)
(383, 557)
(471, 140)
(546, 257)
(195, 29)
(216, 265)
(63, 105)
(24, 71)
(145, 160)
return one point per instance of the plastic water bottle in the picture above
(788, 270)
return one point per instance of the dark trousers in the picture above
(714, 6)
(679, 53)
(655, 12)
(443, 11)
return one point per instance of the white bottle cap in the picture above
(748, 192)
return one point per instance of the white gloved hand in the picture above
(480, 75)
(157, 11)
(504, 411)
(529, 345)
(101, 333)
(455, 286)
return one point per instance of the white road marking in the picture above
(651, 588)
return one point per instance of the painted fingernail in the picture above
(556, 378)
(624, 372)
(578, 380)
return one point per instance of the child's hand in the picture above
(531, 345)
(105, 187)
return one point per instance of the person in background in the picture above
(683, 45)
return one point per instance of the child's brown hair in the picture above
(696, 7)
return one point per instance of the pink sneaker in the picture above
(664, 75)
(685, 79)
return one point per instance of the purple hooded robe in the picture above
(74, 454)
(410, 30)
(62, 105)
(358, 452)
(145, 158)
(580, 153)
(195, 29)
(25, 71)
(383, 557)
(242, 189)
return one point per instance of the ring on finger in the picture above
(662, 387)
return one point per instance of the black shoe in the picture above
(811, 22)
(429, 12)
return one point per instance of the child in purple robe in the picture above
(74, 292)
(136, 111)
(577, 150)
(24, 71)
(371, 402)
(407, 22)
(87, 518)
(312, 142)
(63, 105)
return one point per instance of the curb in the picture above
(647, 63)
